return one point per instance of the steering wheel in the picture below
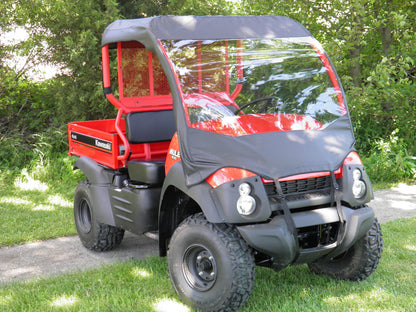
(265, 98)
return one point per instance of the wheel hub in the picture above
(199, 267)
(84, 216)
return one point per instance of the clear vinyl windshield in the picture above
(243, 87)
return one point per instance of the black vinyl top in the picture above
(146, 30)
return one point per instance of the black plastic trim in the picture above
(107, 90)
(276, 240)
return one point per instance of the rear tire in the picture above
(358, 262)
(93, 235)
(210, 265)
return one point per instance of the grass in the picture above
(388, 185)
(145, 286)
(33, 210)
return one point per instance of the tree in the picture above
(67, 34)
(372, 43)
(139, 8)
(33, 115)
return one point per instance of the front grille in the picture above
(305, 185)
(296, 188)
(304, 195)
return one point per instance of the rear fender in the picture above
(99, 182)
(95, 173)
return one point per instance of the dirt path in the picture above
(66, 254)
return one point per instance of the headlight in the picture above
(246, 205)
(244, 189)
(356, 174)
(358, 186)
(358, 189)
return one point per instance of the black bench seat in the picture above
(145, 128)
(150, 172)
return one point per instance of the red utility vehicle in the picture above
(233, 144)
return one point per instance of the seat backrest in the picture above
(148, 127)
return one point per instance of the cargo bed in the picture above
(99, 140)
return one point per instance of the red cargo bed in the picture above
(98, 139)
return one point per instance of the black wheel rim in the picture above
(84, 216)
(199, 267)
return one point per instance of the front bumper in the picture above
(276, 240)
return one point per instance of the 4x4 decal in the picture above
(174, 154)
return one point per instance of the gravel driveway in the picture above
(66, 254)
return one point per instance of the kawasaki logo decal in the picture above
(91, 141)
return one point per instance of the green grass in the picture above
(33, 210)
(145, 286)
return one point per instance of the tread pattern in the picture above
(374, 249)
(102, 237)
(108, 237)
(242, 259)
(359, 262)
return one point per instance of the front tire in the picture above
(358, 262)
(93, 234)
(210, 265)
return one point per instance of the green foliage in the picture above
(33, 115)
(390, 161)
(139, 8)
(196, 7)
(26, 116)
(385, 103)
(72, 41)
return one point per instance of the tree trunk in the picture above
(355, 69)
(386, 39)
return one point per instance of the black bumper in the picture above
(275, 239)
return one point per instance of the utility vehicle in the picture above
(232, 145)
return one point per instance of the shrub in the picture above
(389, 160)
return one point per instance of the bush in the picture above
(389, 161)
(383, 110)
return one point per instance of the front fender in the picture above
(200, 193)
(219, 204)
